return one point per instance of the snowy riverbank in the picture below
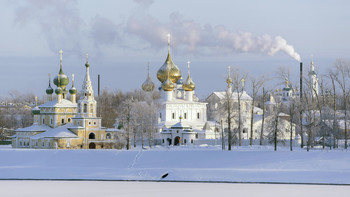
(182, 164)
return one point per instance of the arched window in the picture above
(91, 136)
(185, 141)
(85, 108)
(108, 136)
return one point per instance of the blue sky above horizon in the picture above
(121, 36)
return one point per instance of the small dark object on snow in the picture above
(165, 175)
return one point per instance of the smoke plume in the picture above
(64, 28)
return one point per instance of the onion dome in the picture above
(169, 68)
(61, 80)
(73, 90)
(188, 85)
(168, 85)
(148, 85)
(36, 110)
(49, 89)
(59, 90)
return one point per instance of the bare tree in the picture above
(239, 85)
(263, 116)
(256, 83)
(126, 108)
(341, 77)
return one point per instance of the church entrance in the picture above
(177, 141)
(92, 145)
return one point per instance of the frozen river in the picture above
(158, 189)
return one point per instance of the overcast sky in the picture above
(121, 36)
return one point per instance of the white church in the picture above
(182, 119)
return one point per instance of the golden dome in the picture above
(148, 85)
(188, 84)
(229, 80)
(174, 71)
(168, 85)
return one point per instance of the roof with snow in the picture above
(58, 132)
(63, 103)
(206, 127)
(180, 125)
(222, 95)
(34, 128)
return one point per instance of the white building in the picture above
(179, 105)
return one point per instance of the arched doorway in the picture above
(177, 141)
(92, 145)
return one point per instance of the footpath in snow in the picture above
(181, 164)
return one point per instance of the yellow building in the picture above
(65, 124)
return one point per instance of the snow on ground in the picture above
(155, 189)
(257, 164)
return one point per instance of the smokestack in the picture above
(98, 85)
(301, 80)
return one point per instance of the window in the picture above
(36, 144)
(185, 141)
(91, 136)
(185, 116)
(108, 136)
(196, 135)
(163, 141)
(43, 121)
(95, 123)
(177, 131)
(89, 123)
(173, 115)
(85, 108)
(50, 121)
(42, 144)
(20, 143)
(192, 141)
(160, 115)
(68, 119)
(62, 120)
(91, 108)
(198, 115)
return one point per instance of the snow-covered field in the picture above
(155, 189)
(181, 163)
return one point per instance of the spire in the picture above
(87, 87)
(312, 63)
(168, 43)
(188, 67)
(229, 80)
(243, 83)
(61, 70)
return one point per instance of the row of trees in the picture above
(321, 113)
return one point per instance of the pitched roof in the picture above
(58, 132)
(63, 103)
(206, 127)
(244, 95)
(33, 128)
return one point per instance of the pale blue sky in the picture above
(121, 36)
